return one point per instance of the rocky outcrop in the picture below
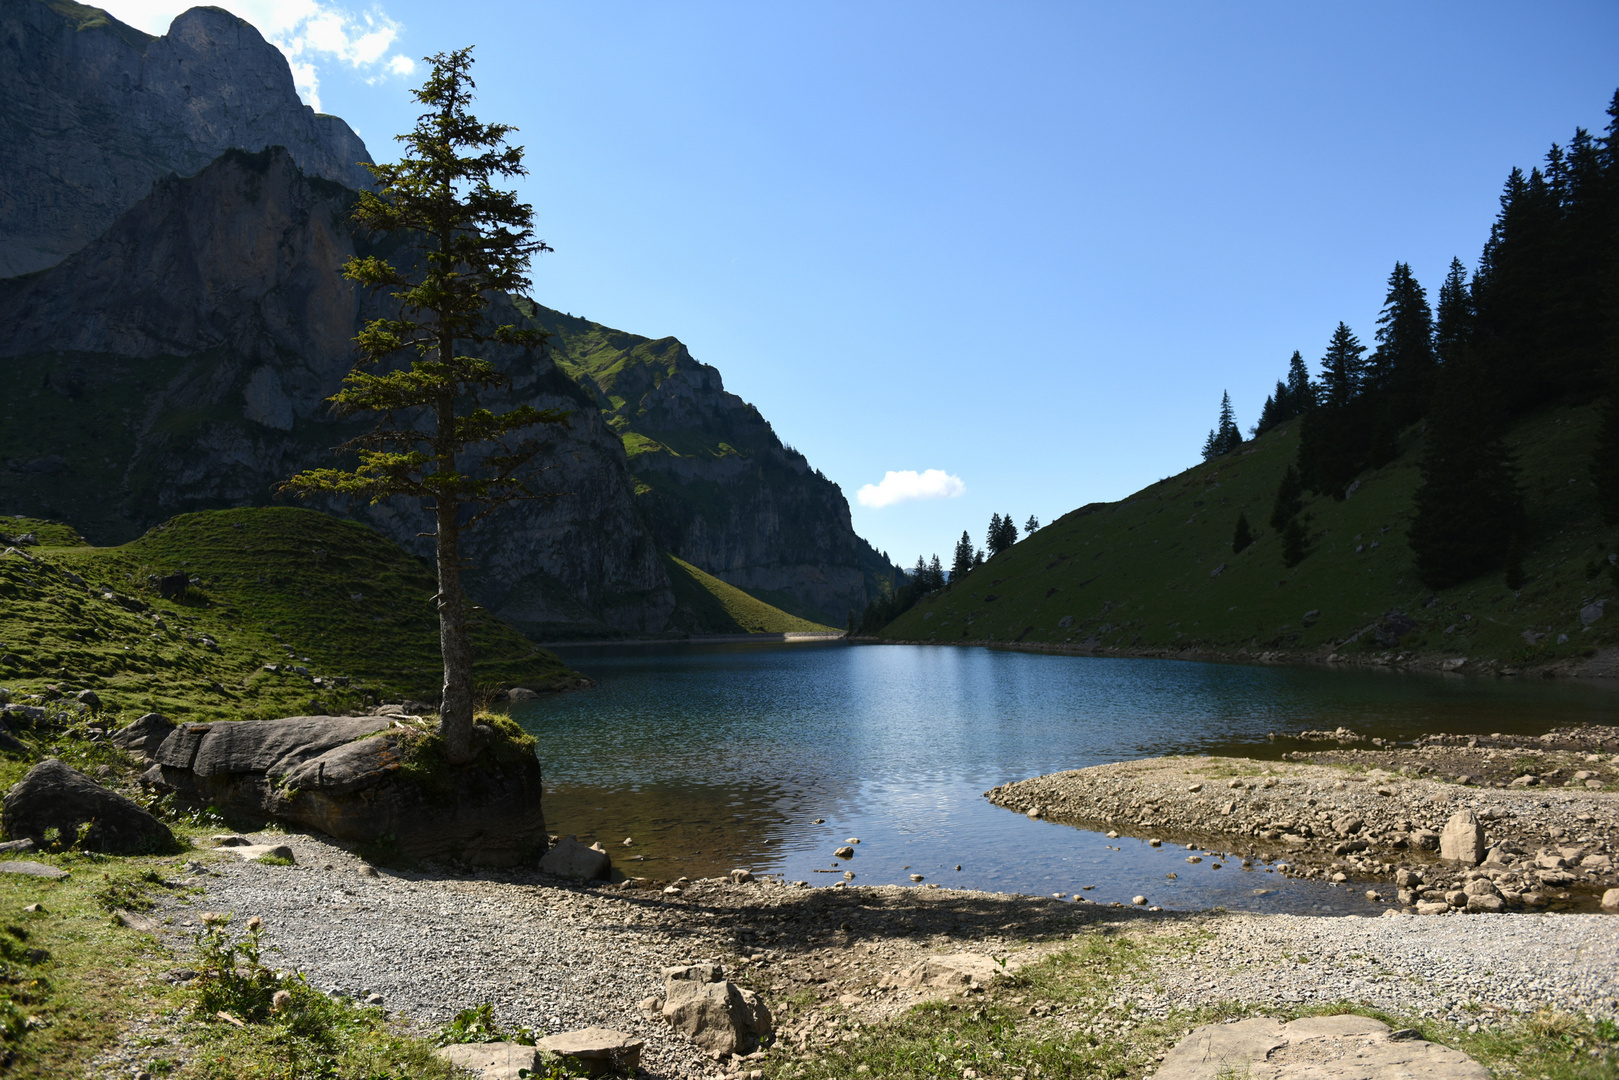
(56, 803)
(347, 777)
(209, 326)
(98, 111)
(718, 488)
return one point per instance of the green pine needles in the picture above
(435, 442)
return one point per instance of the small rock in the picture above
(1610, 899)
(569, 858)
(741, 877)
(916, 877)
(844, 852)
(1139, 901)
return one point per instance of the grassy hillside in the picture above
(1156, 571)
(721, 608)
(285, 587)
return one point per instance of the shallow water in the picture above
(718, 756)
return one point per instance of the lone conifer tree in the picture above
(435, 442)
(1343, 369)
(1226, 436)
(1243, 536)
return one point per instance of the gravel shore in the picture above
(555, 956)
(1548, 847)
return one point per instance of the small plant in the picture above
(478, 1025)
(233, 978)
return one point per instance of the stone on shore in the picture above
(1463, 839)
(1610, 899)
(492, 1060)
(1340, 1047)
(718, 1016)
(596, 1050)
(571, 859)
(81, 813)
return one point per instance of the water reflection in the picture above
(716, 756)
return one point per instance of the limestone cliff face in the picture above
(96, 112)
(183, 362)
(717, 487)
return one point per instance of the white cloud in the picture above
(309, 32)
(904, 486)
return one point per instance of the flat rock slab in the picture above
(32, 869)
(493, 1061)
(1314, 1048)
(950, 972)
(597, 1050)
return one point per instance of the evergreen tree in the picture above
(1468, 510)
(1605, 455)
(1289, 499)
(1292, 397)
(1454, 331)
(1226, 437)
(978, 558)
(1300, 391)
(1336, 437)
(1402, 367)
(919, 572)
(1243, 536)
(962, 564)
(935, 574)
(1343, 370)
(1002, 534)
(1031, 525)
(1294, 543)
(435, 444)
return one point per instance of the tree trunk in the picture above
(455, 710)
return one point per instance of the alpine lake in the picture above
(770, 756)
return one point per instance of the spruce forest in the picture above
(1448, 411)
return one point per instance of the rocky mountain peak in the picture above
(99, 111)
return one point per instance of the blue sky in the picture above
(1025, 245)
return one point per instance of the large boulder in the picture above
(1463, 839)
(718, 1016)
(346, 776)
(82, 812)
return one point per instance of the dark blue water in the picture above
(719, 756)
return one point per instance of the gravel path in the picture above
(554, 956)
(1509, 965)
